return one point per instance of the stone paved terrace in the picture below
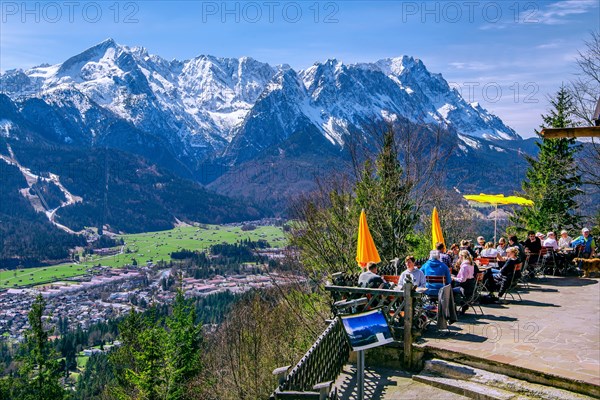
(389, 384)
(555, 329)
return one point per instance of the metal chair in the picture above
(537, 267)
(513, 286)
(435, 279)
(523, 279)
(549, 258)
(474, 299)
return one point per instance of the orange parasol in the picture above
(365, 249)
(436, 228)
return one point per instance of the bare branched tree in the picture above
(585, 90)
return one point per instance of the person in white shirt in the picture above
(565, 240)
(489, 251)
(418, 277)
(550, 241)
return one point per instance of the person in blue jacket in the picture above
(587, 241)
(432, 267)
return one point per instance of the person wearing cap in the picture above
(434, 267)
(565, 240)
(540, 235)
(550, 241)
(587, 241)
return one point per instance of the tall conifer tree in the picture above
(552, 180)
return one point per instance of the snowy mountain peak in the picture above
(207, 103)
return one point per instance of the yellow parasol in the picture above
(365, 249)
(496, 199)
(436, 228)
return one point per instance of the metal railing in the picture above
(319, 367)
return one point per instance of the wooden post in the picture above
(408, 316)
(324, 389)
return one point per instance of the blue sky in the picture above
(507, 55)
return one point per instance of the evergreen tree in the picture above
(149, 378)
(158, 356)
(552, 180)
(325, 223)
(184, 345)
(39, 374)
(386, 197)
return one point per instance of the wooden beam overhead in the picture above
(586, 131)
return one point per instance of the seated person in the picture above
(501, 248)
(445, 258)
(501, 280)
(466, 274)
(513, 241)
(434, 267)
(370, 279)
(418, 278)
(453, 253)
(587, 242)
(466, 245)
(479, 246)
(533, 246)
(565, 240)
(489, 251)
(540, 235)
(550, 241)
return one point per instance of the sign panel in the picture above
(367, 330)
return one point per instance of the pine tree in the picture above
(149, 379)
(183, 347)
(386, 197)
(40, 372)
(552, 180)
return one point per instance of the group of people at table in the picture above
(460, 266)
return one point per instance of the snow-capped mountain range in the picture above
(233, 109)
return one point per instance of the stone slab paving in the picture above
(389, 384)
(555, 329)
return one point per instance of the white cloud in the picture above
(472, 66)
(556, 13)
(555, 44)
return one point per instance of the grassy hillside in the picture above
(143, 247)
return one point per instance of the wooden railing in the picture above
(393, 268)
(313, 376)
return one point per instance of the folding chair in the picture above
(514, 284)
(538, 266)
(549, 258)
(435, 279)
(523, 279)
(474, 299)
